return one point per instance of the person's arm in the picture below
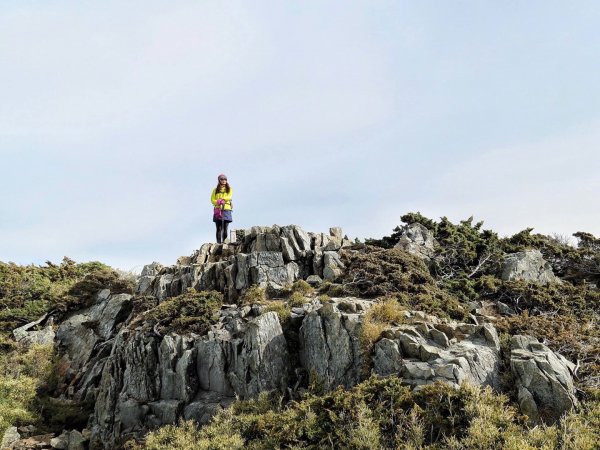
(213, 197)
(227, 196)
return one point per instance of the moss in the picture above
(189, 312)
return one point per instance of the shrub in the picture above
(21, 374)
(373, 272)
(381, 315)
(382, 413)
(28, 292)
(254, 294)
(189, 312)
(282, 309)
(296, 299)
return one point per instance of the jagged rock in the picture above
(451, 353)
(44, 336)
(272, 257)
(332, 266)
(149, 381)
(41, 441)
(268, 270)
(261, 361)
(528, 265)
(177, 361)
(11, 435)
(543, 378)
(149, 272)
(330, 347)
(81, 333)
(417, 240)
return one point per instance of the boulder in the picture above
(426, 352)
(330, 349)
(543, 379)
(332, 265)
(528, 265)
(418, 240)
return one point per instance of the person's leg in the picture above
(225, 227)
(219, 231)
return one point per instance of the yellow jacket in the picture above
(222, 195)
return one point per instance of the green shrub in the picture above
(282, 309)
(296, 299)
(382, 413)
(28, 292)
(189, 312)
(253, 295)
(22, 373)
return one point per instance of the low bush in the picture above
(22, 373)
(254, 294)
(190, 312)
(382, 414)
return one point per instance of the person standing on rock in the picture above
(222, 213)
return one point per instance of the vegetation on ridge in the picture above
(380, 414)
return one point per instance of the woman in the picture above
(221, 200)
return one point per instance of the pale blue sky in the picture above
(116, 117)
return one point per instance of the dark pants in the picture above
(222, 226)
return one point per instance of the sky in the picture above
(116, 118)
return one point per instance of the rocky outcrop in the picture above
(138, 379)
(85, 340)
(330, 349)
(39, 332)
(417, 240)
(543, 379)
(270, 257)
(150, 381)
(431, 351)
(528, 265)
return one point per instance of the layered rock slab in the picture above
(543, 379)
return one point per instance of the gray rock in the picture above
(543, 378)
(261, 361)
(166, 411)
(61, 442)
(11, 435)
(332, 266)
(212, 363)
(314, 280)
(205, 406)
(330, 346)
(83, 331)
(528, 265)
(417, 240)
(44, 336)
(424, 355)
(76, 441)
